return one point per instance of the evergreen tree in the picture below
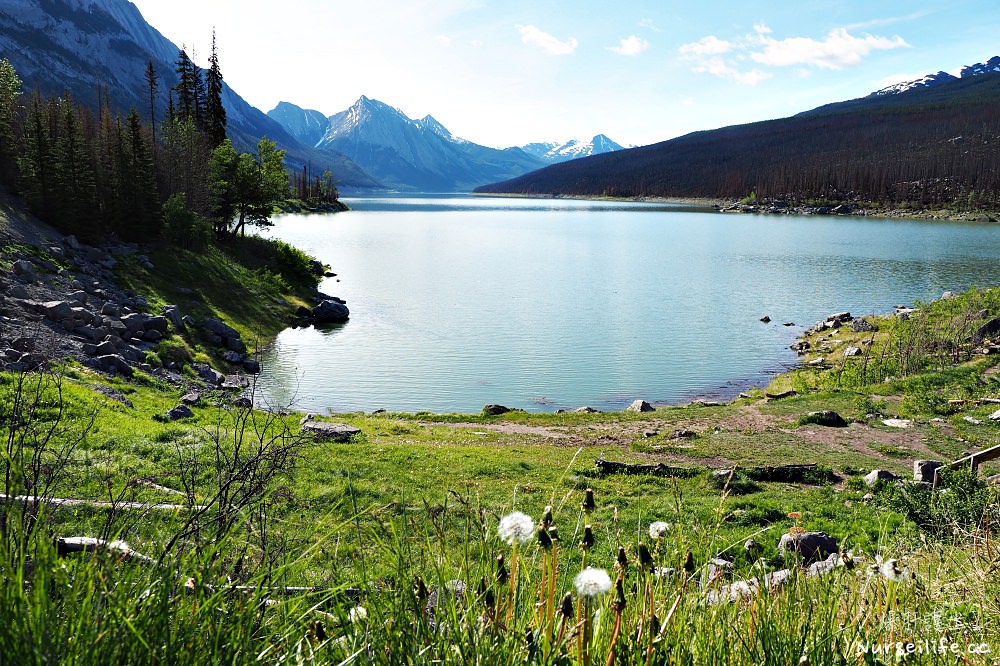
(37, 160)
(10, 92)
(215, 113)
(142, 199)
(77, 204)
(187, 86)
(153, 83)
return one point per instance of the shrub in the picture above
(961, 503)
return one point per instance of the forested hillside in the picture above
(922, 147)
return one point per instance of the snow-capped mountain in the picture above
(932, 80)
(84, 46)
(422, 154)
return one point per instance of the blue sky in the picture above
(509, 72)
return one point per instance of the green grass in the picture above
(414, 502)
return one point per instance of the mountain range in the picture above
(935, 140)
(421, 154)
(87, 46)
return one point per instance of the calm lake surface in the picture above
(460, 301)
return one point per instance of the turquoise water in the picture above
(457, 302)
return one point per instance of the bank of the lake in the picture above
(542, 304)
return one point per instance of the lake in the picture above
(459, 301)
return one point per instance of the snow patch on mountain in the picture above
(932, 80)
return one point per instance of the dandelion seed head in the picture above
(658, 529)
(516, 527)
(592, 582)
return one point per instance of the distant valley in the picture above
(422, 154)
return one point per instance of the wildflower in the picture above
(592, 582)
(658, 529)
(516, 527)
(890, 570)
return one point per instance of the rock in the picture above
(842, 209)
(331, 312)
(898, 423)
(23, 344)
(820, 360)
(113, 363)
(640, 406)
(766, 319)
(173, 315)
(752, 548)
(923, 470)
(649, 433)
(233, 357)
(876, 475)
(811, 546)
(789, 323)
(17, 291)
(243, 402)
(78, 297)
(110, 309)
(683, 434)
(152, 335)
(106, 348)
(57, 310)
(852, 351)
(338, 432)
(235, 345)
(251, 365)
(192, 398)
(827, 418)
(862, 325)
(995, 416)
(134, 322)
(210, 375)
(586, 410)
(71, 242)
(219, 328)
(158, 324)
(22, 267)
(495, 410)
(989, 329)
(973, 421)
(179, 412)
(189, 320)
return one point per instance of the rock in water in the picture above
(331, 312)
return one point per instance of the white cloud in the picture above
(631, 46)
(443, 40)
(546, 42)
(648, 24)
(706, 46)
(838, 50)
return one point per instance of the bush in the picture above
(962, 503)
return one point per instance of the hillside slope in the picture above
(922, 146)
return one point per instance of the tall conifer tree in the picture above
(215, 113)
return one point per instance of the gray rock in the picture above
(827, 418)
(134, 322)
(852, 351)
(210, 375)
(923, 470)
(861, 325)
(339, 432)
(586, 410)
(110, 309)
(191, 398)
(22, 267)
(57, 310)
(155, 324)
(233, 357)
(811, 546)
(180, 412)
(106, 348)
(235, 345)
(219, 328)
(23, 344)
(78, 297)
(331, 312)
(114, 363)
(640, 406)
(876, 475)
(152, 335)
(17, 291)
(71, 242)
(495, 410)
(92, 333)
(189, 320)
(251, 365)
(173, 315)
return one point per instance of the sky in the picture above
(509, 72)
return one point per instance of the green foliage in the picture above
(183, 227)
(246, 186)
(959, 505)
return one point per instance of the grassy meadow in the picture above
(234, 537)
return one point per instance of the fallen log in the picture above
(803, 473)
(100, 504)
(657, 469)
(119, 549)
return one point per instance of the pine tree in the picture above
(187, 86)
(10, 92)
(143, 201)
(153, 82)
(215, 112)
(76, 209)
(37, 160)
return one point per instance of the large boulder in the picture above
(495, 410)
(923, 470)
(58, 310)
(810, 546)
(338, 432)
(828, 418)
(331, 312)
(181, 411)
(876, 475)
(114, 363)
(219, 328)
(640, 406)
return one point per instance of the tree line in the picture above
(922, 148)
(100, 174)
